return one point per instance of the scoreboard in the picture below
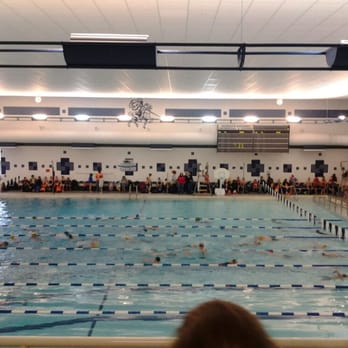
(254, 139)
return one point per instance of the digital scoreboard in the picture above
(255, 139)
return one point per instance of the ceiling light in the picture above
(250, 119)
(38, 99)
(167, 118)
(81, 117)
(124, 118)
(344, 42)
(209, 118)
(279, 101)
(341, 117)
(39, 117)
(293, 119)
(107, 37)
(1, 115)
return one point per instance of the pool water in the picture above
(103, 281)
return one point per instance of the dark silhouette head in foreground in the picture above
(221, 324)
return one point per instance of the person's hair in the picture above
(221, 324)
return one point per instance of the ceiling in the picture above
(174, 21)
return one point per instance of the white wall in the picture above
(109, 157)
(192, 135)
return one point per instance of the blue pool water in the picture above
(53, 285)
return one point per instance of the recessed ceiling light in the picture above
(124, 118)
(38, 99)
(81, 117)
(167, 118)
(250, 119)
(293, 119)
(341, 117)
(39, 117)
(1, 115)
(209, 118)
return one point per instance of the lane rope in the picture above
(169, 265)
(165, 314)
(151, 286)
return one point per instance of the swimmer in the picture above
(333, 255)
(263, 238)
(199, 219)
(230, 262)
(88, 244)
(157, 259)
(35, 236)
(202, 249)
(127, 237)
(136, 217)
(94, 243)
(68, 235)
(150, 228)
(3, 245)
(267, 251)
(336, 275)
(64, 235)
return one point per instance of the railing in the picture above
(334, 202)
(145, 342)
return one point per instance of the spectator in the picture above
(224, 324)
(180, 181)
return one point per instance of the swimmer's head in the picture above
(198, 219)
(94, 243)
(13, 237)
(157, 259)
(201, 245)
(68, 234)
(5, 244)
(233, 262)
(34, 235)
(271, 251)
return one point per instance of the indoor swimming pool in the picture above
(86, 266)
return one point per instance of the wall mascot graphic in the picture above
(140, 112)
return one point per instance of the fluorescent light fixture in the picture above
(293, 119)
(1, 115)
(344, 42)
(341, 117)
(39, 117)
(167, 118)
(209, 118)
(107, 37)
(81, 117)
(250, 119)
(124, 118)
